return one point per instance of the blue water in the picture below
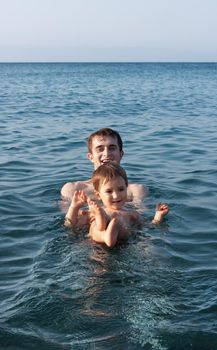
(60, 291)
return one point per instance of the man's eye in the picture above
(112, 148)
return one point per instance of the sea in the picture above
(58, 289)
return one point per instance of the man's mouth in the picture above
(106, 161)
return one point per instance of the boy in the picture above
(112, 222)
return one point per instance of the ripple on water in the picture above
(58, 289)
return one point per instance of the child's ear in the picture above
(96, 194)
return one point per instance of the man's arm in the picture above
(68, 190)
(137, 193)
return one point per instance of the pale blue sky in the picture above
(108, 30)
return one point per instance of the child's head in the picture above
(106, 172)
(110, 184)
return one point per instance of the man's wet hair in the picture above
(104, 132)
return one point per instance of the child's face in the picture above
(105, 149)
(113, 193)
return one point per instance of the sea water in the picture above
(58, 289)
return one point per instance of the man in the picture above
(104, 145)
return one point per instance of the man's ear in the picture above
(122, 153)
(90, 157)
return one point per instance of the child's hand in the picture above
(162, 209)
(79, 199)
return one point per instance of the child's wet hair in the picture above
(107, 172)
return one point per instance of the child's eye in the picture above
(108, 191)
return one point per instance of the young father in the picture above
(104, 145)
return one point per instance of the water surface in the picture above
(62, 291)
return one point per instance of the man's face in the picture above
(104, 149)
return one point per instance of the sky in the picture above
(108, 30)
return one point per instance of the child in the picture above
(112, 222)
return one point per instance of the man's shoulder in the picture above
(70, 187)
(137, 191)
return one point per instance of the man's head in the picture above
(104, 145)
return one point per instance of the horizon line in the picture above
(95, 62)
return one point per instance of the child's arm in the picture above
(108, 236)
(79, 199)
(97, 214)
(162, 209)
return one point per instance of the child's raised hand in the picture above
(79, 199)
(163, 208)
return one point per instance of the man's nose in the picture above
(106, 151)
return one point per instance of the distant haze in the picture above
(108, 30)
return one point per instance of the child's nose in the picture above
(115, 195)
